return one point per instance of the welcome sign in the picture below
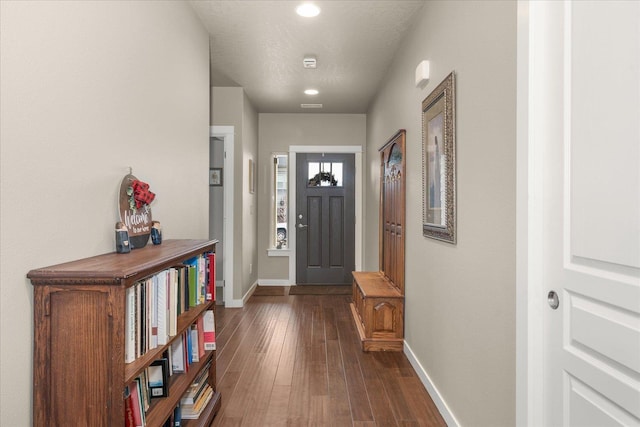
(135, 211)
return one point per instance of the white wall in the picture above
(277, 133)
(87, 90)
(460, 300)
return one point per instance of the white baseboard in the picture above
(234, 303)
(442, 406)
(250, 292)
(273, 282)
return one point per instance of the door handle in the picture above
(302, 225)
(553, 300)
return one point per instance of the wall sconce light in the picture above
(422, 74)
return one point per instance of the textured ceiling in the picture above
(259, 45)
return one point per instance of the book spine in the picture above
(200, 330)
(139, 311)
(195, 353)
(130, 326)
(154, 312)
(209, 330)
(211, 276)
(193, 286)
(172, 303)
(162, 308)
(201, 280)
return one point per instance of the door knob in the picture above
(553, 300)
(302, 225)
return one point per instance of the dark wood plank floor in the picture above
(296, 361)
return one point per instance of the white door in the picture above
(584, 208)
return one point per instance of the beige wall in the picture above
(89, 89)
(277, 133)
(231, 107)
(460, 300)
(249, 200)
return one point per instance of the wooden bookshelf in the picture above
(80, 372)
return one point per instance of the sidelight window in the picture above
(281, 206)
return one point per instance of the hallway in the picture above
(296, 360)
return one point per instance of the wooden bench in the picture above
(378, 311)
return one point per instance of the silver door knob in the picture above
(302, 225)
(553, 300)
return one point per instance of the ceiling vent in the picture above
(311, 105)
(309, 62)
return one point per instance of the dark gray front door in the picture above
(325, 218)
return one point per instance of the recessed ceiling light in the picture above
(308, 10)
(311, 92)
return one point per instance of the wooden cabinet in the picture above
(378, 297)
(378, 309)
(80, 373)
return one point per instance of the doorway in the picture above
(221, 143)
(325, 218)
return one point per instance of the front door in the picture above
(325, 218)
(584, 208)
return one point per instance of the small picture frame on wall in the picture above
(439, 163)
(215, 177)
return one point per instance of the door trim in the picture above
(529, 167)
(227, 134)
(295, 149)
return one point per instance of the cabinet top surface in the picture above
(375, 283)
(115, 267)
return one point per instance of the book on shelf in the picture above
(195, 390)
(188, 348)
(193, 285)
(130, 326)
(145, 399)
(177, 355)
(142, 395)
(142, 318)
(211, 276)
(173, 302)
(138, 308)
(196, 387)
(134, 412)
(158, 378)
(148, 298)
(177, 416)
(128, 408)
(209, 330)
(153, 315)
(202, 279)
(194, 346)
(197, 339)
(193, 411)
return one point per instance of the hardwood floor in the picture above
(296, 361)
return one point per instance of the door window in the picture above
(325, 174)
